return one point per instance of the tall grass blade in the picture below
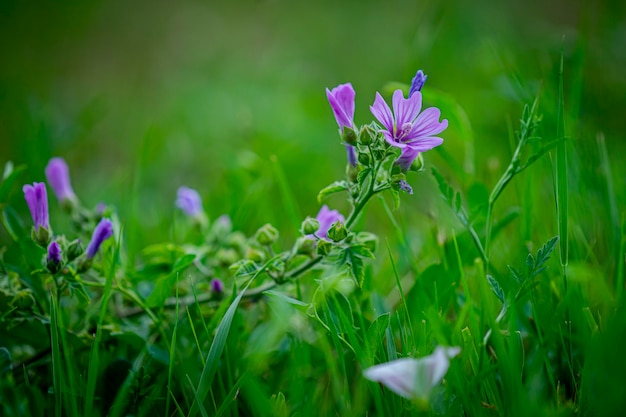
(561, 177)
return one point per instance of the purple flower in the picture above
(58, 176)
(406, 128)
(54, 253)
(188, 200)
(327, 217)
(217, 286)
(341, 99)
(37, 200)
(418, 82)
(102, 232)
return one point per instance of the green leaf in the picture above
(163, 287)
(362, 175)
(517, 275)
(286, 298)
(495, 287)
(351, 257)
(335, 187)
(244, 267)
(376, 332)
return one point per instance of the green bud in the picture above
(349, 136)
(324, 247)
(236, 240)
(53, 267)
(255, 255)
(364, 158)
(338, 232)
(368, 239)
(305, 246)
(227, 256)
(418, 163)
(367, 135)
(396, 170)
(74, 250)
(41, 236)
(309, 226)
(23, 299)
(266, 235)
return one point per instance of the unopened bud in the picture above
(337, 232)
(305, 246)
(266, 235)
(418, 163)
(349, 136)
(227, 257)
(324, 247)
(367, 135)
(255, 255)
(310, 226)
(364, 159)
(74, 250)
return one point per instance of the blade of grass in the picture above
(561, 178)
(170, 368)
(217, 347)
(57, 379)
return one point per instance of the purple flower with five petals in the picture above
(58, 176)
(102, 232)
(406, 128)
(341, 99)
(37, 199)
(327, 218)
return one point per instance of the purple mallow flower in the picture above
(327, 217)
(58, 176)
(102, 232)
(418, 82)
(37, 200)
(341, 99)
(406, 128)
(54, 252)
(188, 200)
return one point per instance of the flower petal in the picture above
(382, 112)
(423, 144)
(341, 99)
(406, 110)
(398, 375)
(427, 123)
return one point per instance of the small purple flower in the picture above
(418, 82)
(327, 217)
(341, 99)
(58, 176)
(217, 286)
(102, 232)
(406, 128)
(54, 252)
(37, 200)
(188, 200)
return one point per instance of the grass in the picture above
(229, 99)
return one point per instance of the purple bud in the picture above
(37, 200)
(54, 252)
(217, 286)
(58, 176)
(188, 200)
(418, 82)
(102, 232)
(404, 186)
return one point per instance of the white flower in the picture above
(414, 378)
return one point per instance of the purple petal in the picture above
(382, 112)
(37, 199)
(102, 232)
(351, 154)
(58, 176)
(327, 217)
(189, 201)
(427, 123)
(423, 144)
(418, 82)
(406, 110)
(406, 158)
(54, 252)
(341, 99)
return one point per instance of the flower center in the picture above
(403, 131)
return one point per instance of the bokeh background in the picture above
(228, 97)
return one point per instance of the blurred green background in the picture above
(141, 99)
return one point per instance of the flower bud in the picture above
(217, 286)
(310, 226)
(58, 176)
(227, 257)
(74, 250)
(266, 235)
(53, 258)
(367, 135)
(349, 136)
(418, 164)
(338, 232)
(364, 158)
(324, 247)
(305, 246)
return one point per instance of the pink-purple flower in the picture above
(103, 231)
(189, 201)
(406, 128)
(37, 199)
(327, 218)
(341, 99)
(58, 176)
